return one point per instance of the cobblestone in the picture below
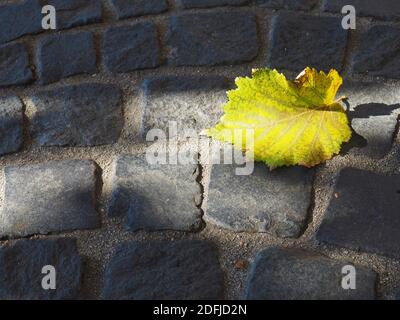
(275, 202)
(189, 4)
(129, 48)
(191, 102)
(49, 197)
(212, 39)
(296, 274)
(10, 125)
(75, 55)
(293, 5)
(21, 266)
(19, 19)
(156, 196)
(182, 270)
(374, 116)
(14, 65)
(78, 115)
(379, 52)
(300, 40)
(72, 13)
(364, 215)
(133, 8)
(384, 9)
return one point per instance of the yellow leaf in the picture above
(295, 122)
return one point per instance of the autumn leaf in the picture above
(295, 122)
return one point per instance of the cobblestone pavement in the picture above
(77, 194)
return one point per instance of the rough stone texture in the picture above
(133, 8)
(61, 56)
(10, 124)
(379, 52)
(296, 274)
(14, 65)
(212, 38)
(49, 197)
(300, 40)
(25, 17)
(79, 115)
(215, 40)
(181, 270)
(19, 19)
(376, 124)
(72, 13)
(292, 5)
(189, 101)
(155, 196)
(21, 266)
(129, 48)
(384, 9)
(265, 201)
(364, 216)
(188, 4)
(374, 110)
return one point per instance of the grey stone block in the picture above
(374, 111)
(11, 123)
(296, 274)
(181, 270)
(60, 56)
(292, 5)
(300, 40)
(265, 201)
(72, 13)
(155, 196)
(376, 123)
(364, 214)
(19, 19)
(189, 101)
(14, 65)
(78, 115)
(130, 48)
(379, 52)
(384, 9)
(21, 266)
(189, 4)
(212, 39)
(25, 17)
(133, 8)
(49, 197)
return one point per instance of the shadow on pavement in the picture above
(365, 111)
